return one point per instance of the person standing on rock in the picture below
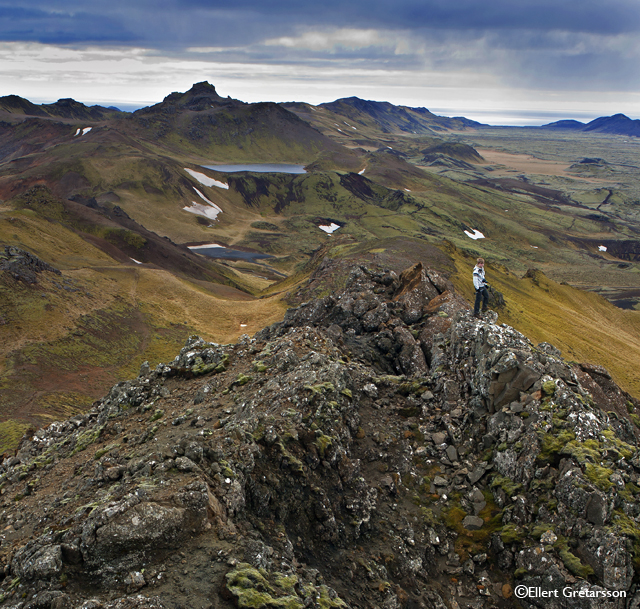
(480, 284)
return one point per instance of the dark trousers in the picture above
(482, 294)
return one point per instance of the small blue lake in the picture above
(258, 168)
(228, 254)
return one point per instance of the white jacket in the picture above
(478, 277)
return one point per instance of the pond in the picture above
(213, 250)
(259, 168)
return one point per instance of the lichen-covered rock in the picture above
(608, 556)
(37, 562)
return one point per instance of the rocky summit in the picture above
(378, 448)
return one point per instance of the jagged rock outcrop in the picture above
(22, 265)
(378, 448)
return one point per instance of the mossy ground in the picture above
(259, 589)
(470, 542)
(11, 431)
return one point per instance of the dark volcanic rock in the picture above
(378, 448)
(22, 265)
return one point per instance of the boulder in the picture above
(37, 562)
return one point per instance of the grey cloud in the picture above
(533, 43)
(614, 16)
(580, 72)
(57, 27)
(167, 22)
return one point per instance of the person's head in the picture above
(480, 262)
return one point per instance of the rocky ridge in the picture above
(22, 265)
(379, 448)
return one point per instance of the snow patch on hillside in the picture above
(207, 200)
(330, 229)
(210, 212)
(206, 246)
(202, 210)
(206, 180)
(476, 234)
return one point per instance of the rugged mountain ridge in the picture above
(64, 108)
(377, 448)
(391, 117)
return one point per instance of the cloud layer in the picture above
(513, 47)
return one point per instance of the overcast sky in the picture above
(498, 61)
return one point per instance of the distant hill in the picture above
(566, 125)
(393, 118)
(618, 124)
(14, 104)
(201, 96)
(364, 121)
(64, 108)
(455, 150)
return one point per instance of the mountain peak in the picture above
(203, 87)
(201, 96)
(618, 123)
(18, 105)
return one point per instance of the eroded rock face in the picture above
(378, 448)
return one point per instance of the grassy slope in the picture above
(68, 339)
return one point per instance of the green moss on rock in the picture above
(574, 564)
(320, 388)
(589, 450)
(506, 484)
(257, 589)
(549, 387)
(103, 451)
(552, 444)
(410, 388)
(158, 414)
(323, 443)
(511, 533)
(599, 476)
(242, 379)
(87, 438)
